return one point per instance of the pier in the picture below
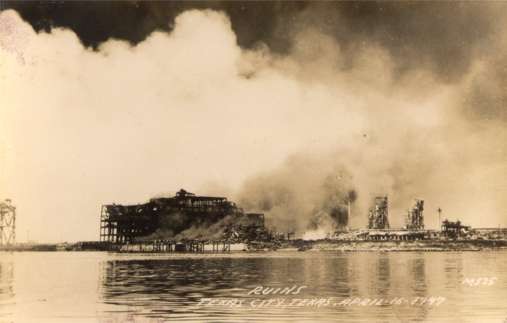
(171, 246)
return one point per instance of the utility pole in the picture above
(439, 217)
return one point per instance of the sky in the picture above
(281, 106)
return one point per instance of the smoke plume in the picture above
(304, 194)
(296, 133)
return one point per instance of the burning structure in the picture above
(7, 222)
(341, 215)
(251, 226)
(191, 223)
(184, 216)
(415, 217)
(378, 215)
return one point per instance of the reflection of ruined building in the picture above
(454, 230)
(124, 223)
(6, 280)
(7, 223)
(415, 218)
(378, 216)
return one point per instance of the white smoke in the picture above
(79, 128)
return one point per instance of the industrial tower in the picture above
(415, 217)
(7, 223)
(378, 216)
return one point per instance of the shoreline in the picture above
(418, 245)
(297, 245)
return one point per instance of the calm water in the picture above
(101, 287)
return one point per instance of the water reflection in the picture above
(69, 286)
(419, 289)
(6, 283)
(172, 288)
(383, 282)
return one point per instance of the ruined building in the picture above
(454, 230)
(249, 227)
(170, 217)
(415, 218)
(378, 215)
(7, 223)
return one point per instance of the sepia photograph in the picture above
(253, 161)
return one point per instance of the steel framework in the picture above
(415, 216)
(378, 216)
(7, 223)
(126, 223)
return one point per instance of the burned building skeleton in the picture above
(171, 217)
(187, 216)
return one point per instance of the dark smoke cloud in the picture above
(440, 36)
(408, 97)
(443, 38)
(305, 193)
(96, 21)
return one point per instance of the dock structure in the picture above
(7, 223)
(395, 235)
(490, 233)
(171, 246)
